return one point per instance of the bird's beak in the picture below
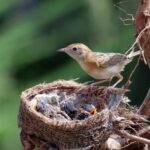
(62, 50)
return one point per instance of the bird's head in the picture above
(78, 51)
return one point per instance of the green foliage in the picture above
(30, 34)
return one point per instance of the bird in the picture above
(90, 108)
(85, 111)
(68, 107)
(100, 66)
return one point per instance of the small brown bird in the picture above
(99, 65)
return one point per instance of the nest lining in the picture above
(59, 105)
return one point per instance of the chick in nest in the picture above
(85, 111)
(48, 105)
(68, 106)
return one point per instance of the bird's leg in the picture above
(91, 86)
(100, 82)
(120, 77)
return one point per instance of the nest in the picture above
(58, 116)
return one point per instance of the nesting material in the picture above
(64, 107)
(67, 115)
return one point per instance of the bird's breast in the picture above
(93, 70)
(98, 72)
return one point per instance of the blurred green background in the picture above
(32, 30)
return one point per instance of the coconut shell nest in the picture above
(58, 130)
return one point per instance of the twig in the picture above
(126, 20)
(145, 107)
(133, 137)
(127, 84)
(131, 48)
(145, 132)
(142, 53)
(126, 13)
(121, 9)
(137, 39)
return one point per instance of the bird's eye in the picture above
(74, 48)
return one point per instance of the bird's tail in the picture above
(133, 54)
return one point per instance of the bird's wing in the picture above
(109, 59)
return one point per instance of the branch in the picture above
(133, 137)
(145, 107)
(142, 20)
